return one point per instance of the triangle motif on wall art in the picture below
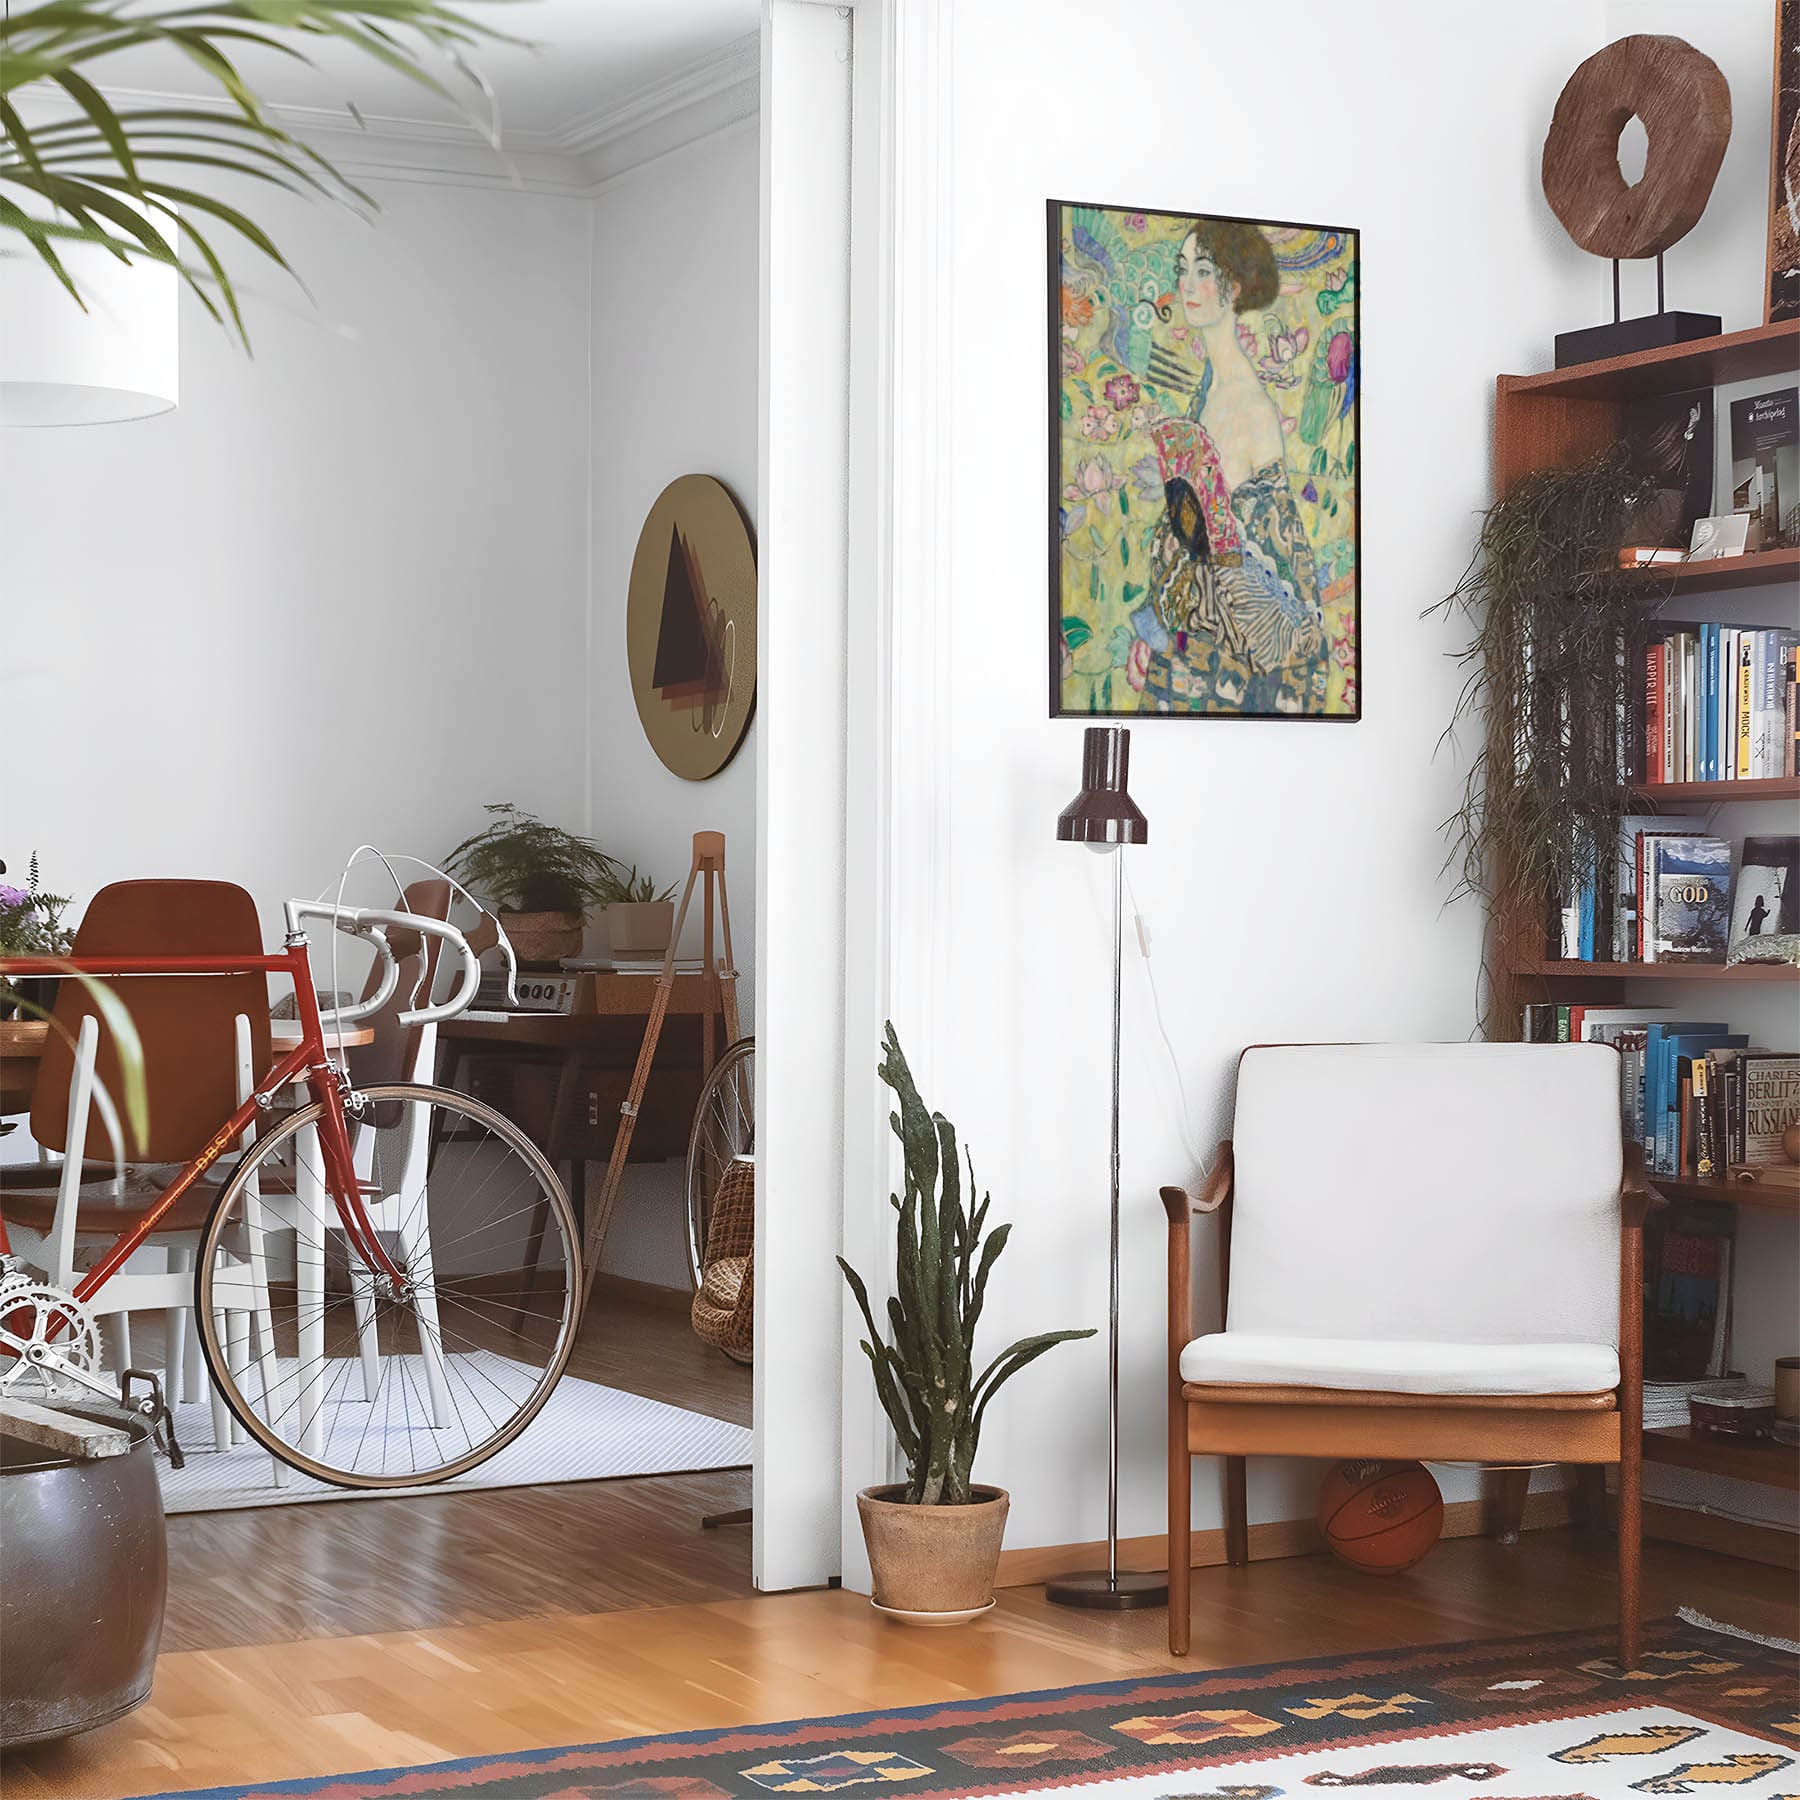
(688, 671)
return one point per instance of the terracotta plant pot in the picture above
(640, 927)
(933, 1560)
(542, 939)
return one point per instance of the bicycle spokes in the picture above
(412, 1333)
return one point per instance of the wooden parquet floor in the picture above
(330, 1705)
(315, 1640)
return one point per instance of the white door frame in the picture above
(852, 856)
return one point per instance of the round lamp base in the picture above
(1099, 1592)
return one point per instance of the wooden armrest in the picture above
(1179, 1204)
(1636, 1196)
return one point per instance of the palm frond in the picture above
(121, 179)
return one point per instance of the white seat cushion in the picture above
(1395, 1366)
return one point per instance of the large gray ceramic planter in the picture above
(83, 1572)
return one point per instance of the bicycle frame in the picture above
(309, 1060)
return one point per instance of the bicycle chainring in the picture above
(34, 1312)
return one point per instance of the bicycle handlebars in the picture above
(373, 925)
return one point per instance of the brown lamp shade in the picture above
(1103, 812)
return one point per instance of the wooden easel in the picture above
(721, 997)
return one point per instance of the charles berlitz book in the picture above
(1765, 457)
(1770, 1098)
(1690, 880)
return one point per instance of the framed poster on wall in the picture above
(1204, 466)
(1783, 300)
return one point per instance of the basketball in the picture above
(1380, 1517)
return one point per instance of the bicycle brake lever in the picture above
(156, 1409)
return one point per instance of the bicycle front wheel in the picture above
(358, 1379)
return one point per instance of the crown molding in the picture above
(723, 72)
(706, 96)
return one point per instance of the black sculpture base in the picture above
(1126, 1592)
(1625, 337)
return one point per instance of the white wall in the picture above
(1292, 879)
(376, 527)
(674, 359)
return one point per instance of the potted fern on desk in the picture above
(934, 1539)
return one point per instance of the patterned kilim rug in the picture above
(1543, 1718)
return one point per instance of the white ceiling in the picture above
(589, 60)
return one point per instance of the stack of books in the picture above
(1678, 894)
(1719, 704)
(1699, 1097)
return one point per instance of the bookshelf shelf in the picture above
(1758, 1460)
(1766, 1198)
(1655, 971)
(1764, 350)
(1757, 569)
(1776, 787)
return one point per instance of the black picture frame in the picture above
(1055, 211)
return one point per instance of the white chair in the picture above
(1426, 1251)
(201, 1039)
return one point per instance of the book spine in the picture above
(1653, 716)
(1745, 639)
(1705, 1163)
(1684, 1124)
(1709, 706)
(1791, 748)
(1727, 739)
(1562, 1024)
(1669, 665)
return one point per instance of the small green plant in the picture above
(523, 864)
(626, 887)
(925, 1376)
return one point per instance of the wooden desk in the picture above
(562, 1076)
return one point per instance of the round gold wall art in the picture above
(690, 626)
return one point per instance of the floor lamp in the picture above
(1104, 817)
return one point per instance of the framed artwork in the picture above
(1204, 466)
(690, 626)
(1783, 301)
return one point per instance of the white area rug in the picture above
(586, 1432)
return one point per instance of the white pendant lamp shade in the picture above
(61, 366)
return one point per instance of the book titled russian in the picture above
(1765, 458)
(1690, 885)
(1770, 1099)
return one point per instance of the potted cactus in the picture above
(934, 1539)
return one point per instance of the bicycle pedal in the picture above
(156, 1409)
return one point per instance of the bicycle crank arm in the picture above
(48, 1358)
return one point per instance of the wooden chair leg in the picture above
(1590, 1499)
(1181, 1528)
(1237, 1513)
(1630, 1549)
(1506, 1502)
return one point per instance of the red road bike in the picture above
(387, 1280)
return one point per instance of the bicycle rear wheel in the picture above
(724, 1127)
(344, 1374)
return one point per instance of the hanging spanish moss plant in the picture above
(1549, 680)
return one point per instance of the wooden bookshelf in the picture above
(1759, 568)
(1765, 1197)
(1762, 351)
(1711, 793)
(1550, 970)
(1558, 420)
(1743, 1459)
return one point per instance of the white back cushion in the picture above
(1457, 1192)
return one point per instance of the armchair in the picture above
(1428, 1251)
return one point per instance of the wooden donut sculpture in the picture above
(1684, 102)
